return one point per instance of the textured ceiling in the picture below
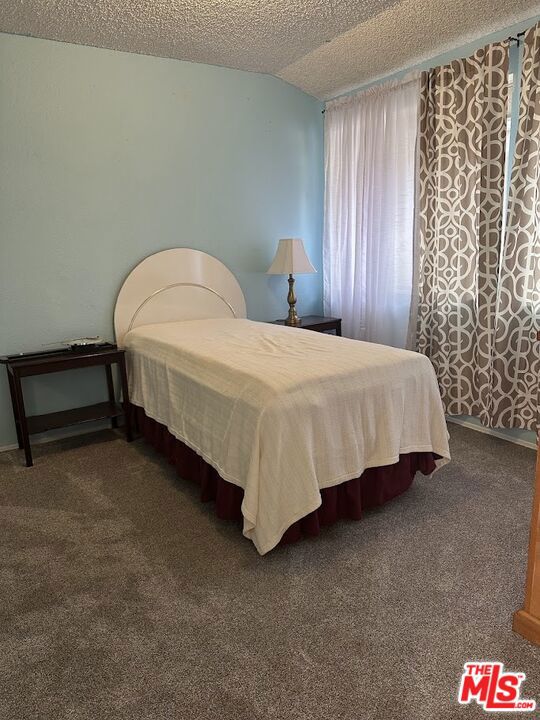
(323, 46)
(408, 33)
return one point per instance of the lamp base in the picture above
(292, 318)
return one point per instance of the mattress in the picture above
(284, 412)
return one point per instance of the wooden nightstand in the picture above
(317, 323)
(41, 363)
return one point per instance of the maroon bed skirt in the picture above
(348, 500)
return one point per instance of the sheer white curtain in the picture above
(368, 250)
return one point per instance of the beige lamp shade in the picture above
(290, 258)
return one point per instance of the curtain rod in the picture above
(517, 39)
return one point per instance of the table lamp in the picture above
(291, 258)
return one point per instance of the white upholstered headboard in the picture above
(178, 284)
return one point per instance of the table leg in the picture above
(110, 388)
(338, 329)
(125, 398)
(14, 406)
(22, 419)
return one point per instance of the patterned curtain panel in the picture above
(516, 365)
(460, 207)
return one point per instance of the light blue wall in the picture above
(107, 157)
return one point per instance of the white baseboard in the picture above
(61, 433)
(491, 431)
(82, 430)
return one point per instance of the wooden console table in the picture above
(527, 621)
(41, 363)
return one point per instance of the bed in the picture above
(287, 429)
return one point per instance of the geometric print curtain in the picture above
(516, 365)
(462, 157)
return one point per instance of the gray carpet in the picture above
(122, 596)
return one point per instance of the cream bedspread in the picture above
(283, 412)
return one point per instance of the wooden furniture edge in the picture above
(527, 626)
(527, 621)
